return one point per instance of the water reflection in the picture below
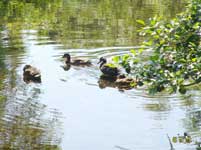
(85, 24)
(24, 123)
(105, 23)
(40, 32)
(105, 82)
(66, 67)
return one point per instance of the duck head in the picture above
(67, 57)
(102, 61)
(26, 67)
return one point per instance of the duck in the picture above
(186, 138)
(31, 74)
(124, 82)
(75, 62)
(107, 69)
(120, 82)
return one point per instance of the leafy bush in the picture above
(175, 61)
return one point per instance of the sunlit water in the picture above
(71, 109)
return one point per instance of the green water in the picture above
(75, 109)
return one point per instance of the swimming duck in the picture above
(31, 73)
(120, 82)
(76, 62)
(107, 69)
(125, 82)
(186, 138)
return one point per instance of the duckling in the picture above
(125, 82)
(186, 138)
(120, 82)
(107, 70)
(31, 73)
(75, 62)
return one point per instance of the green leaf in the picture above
(196, 25)
(154, 57)
(182, 60)
(177, 36)
(135, 61)
(125, 57)
(178, 73)
(116, 59)
(141, 50)
(111, 65)
(148, 43)
(140, 22)
(194, 59)
(133, 52)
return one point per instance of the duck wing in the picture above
(33, 72)
(81, 62)
(111, 71)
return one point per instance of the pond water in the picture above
(75, 109)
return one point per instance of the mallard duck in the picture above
(31, 73)
(107, 69)
(76, 62)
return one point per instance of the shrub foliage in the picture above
(175, 59)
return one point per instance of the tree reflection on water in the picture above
(25, 123)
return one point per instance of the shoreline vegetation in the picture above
(175, 63)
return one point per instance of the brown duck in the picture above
(31, 74)
(75, 62)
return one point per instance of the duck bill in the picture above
(99, 62)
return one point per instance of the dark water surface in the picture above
(74, 109)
